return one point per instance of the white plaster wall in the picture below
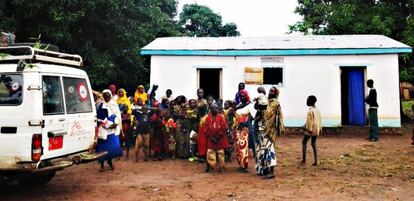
(304, 76)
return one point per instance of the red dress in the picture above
(216, 128)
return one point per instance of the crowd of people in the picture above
(205, 130)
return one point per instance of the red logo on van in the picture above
(55, 143)
(82, 91)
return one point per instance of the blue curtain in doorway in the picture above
(356, 98)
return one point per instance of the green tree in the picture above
(201, 21)
(108, 34)
(393, 18)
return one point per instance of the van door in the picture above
(80, 113)
(16, 111)
(54, 131)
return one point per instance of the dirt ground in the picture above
(351, 169)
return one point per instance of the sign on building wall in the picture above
(253, 75)
(272, 60)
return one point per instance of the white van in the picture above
(47, 114)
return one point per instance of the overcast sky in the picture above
(253, 17)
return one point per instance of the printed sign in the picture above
(83, 92)
(253, 75)
(272, 60)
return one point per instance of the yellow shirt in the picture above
(313, 122)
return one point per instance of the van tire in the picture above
(37, 179)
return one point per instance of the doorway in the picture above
(353, 95)
(210, 81)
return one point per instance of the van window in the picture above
(11, 89)
(77, 95)
(52, 95)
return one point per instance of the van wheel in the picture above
(37, 179)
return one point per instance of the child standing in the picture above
(313, 128)
(170, 130)
(230, 118)
(157, 134)
(216, 138)
(192, 123)
(193, 146)
(143, 127)
(127, 129)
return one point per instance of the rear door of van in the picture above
(80, 112)
(15, 114)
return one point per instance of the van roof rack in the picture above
(17, 53)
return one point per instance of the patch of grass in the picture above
(369, 161)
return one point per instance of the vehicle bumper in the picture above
(50, 165)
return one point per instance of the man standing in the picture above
(371, 100)
(200, 98)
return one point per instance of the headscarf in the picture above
(155, 104)
(246, 94)
(276, 91)
(107, 91)
(112, 88)
(111, 104)
(123, 100)
(138, 95)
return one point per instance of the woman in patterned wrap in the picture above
(270, 125)
(244, 113)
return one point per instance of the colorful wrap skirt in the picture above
(241, 141)
(265, 153)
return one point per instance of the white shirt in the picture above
(248, 109)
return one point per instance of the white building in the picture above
(333, 68)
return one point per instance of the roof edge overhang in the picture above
(279, 52)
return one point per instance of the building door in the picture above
(210, 81)
(353, 94)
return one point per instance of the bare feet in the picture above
(221, 170)
(269, 176)
(102, 169)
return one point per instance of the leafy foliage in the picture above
(107, 33)
(393, 18)
(201, 21)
